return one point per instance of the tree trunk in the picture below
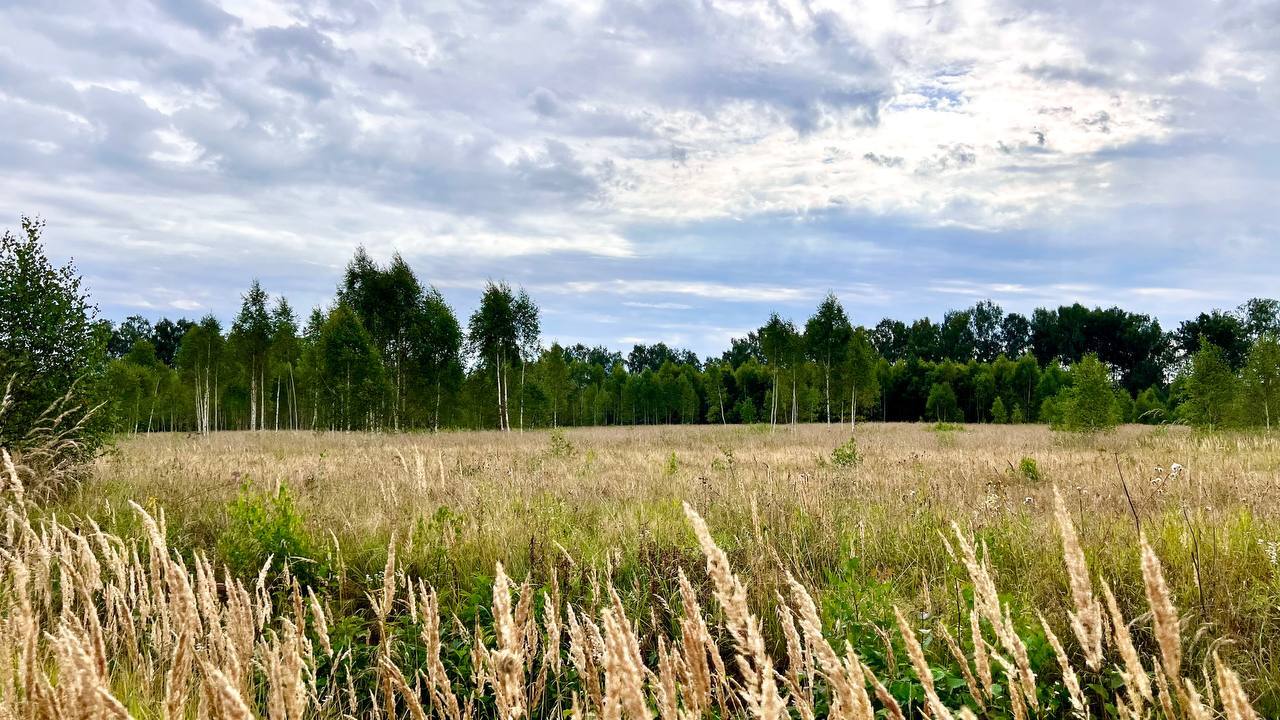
(253, 398)
(827, 372)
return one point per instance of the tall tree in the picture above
(1088, 405)
(1015, 334)
(284, 353)
(555, 373)
(493, 338)
(1210, 387)
(985, 319)
(528, 331)
(48, 342)
(352, 374)
(1261, 377)
(780, 341)
(1260, 316)
(863, 363)
(437, 341)
(1223, 330)
(251, 338)
(199, 356)
(826, 339)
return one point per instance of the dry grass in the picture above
(793, 543)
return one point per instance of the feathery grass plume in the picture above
(551, 622)
(1164, 616)
(383, 606)
(624, 671)
(398, 682)
(1195, 706)
(892, 709)
(507, 659)
(1163, 695)
(760, 690)
(923, 673)
(981, 661)
(849, 698)
(441, 688)
(1069, 678)
(15, 483)
(1086, 621)
(695, 642)
(958, 655)
(320, 621)
(793, 678)
(1235, 703)
(1134, 674)
(665, 682)
(1014, 644)
(229, 704)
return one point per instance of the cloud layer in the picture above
(665, 169)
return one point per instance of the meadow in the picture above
(915, 569)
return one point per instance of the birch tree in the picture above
(826, 340)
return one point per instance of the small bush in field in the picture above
(266, 525)
(1028, 469)
(846, 455)
(672, 466)
(559, 445)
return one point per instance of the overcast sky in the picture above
(669, 170)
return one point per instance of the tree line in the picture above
(389, 353)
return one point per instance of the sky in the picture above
(668, 170)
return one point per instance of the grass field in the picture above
(575, 514)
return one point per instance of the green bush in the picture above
(998, 414)
(262, 526)
(559, 445)
(672, 467)
(1028, 469)
(846, 455)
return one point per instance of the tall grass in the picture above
(456, 577)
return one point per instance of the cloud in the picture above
(749, 155)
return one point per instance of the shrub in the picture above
(1028, 469)
(52, 352)
(846, 455)
(262, 526)
(558, 445)
(672, 466)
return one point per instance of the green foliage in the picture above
(846, 455)
(267, 526)
(1016, 417)
(558, 445)
(672, 466)
(998, 414)
(1089, 404)
(1028, 469)
(51, 349)
(1149, 408)
(941, 403)
(1260, 396)
(1210, 387)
